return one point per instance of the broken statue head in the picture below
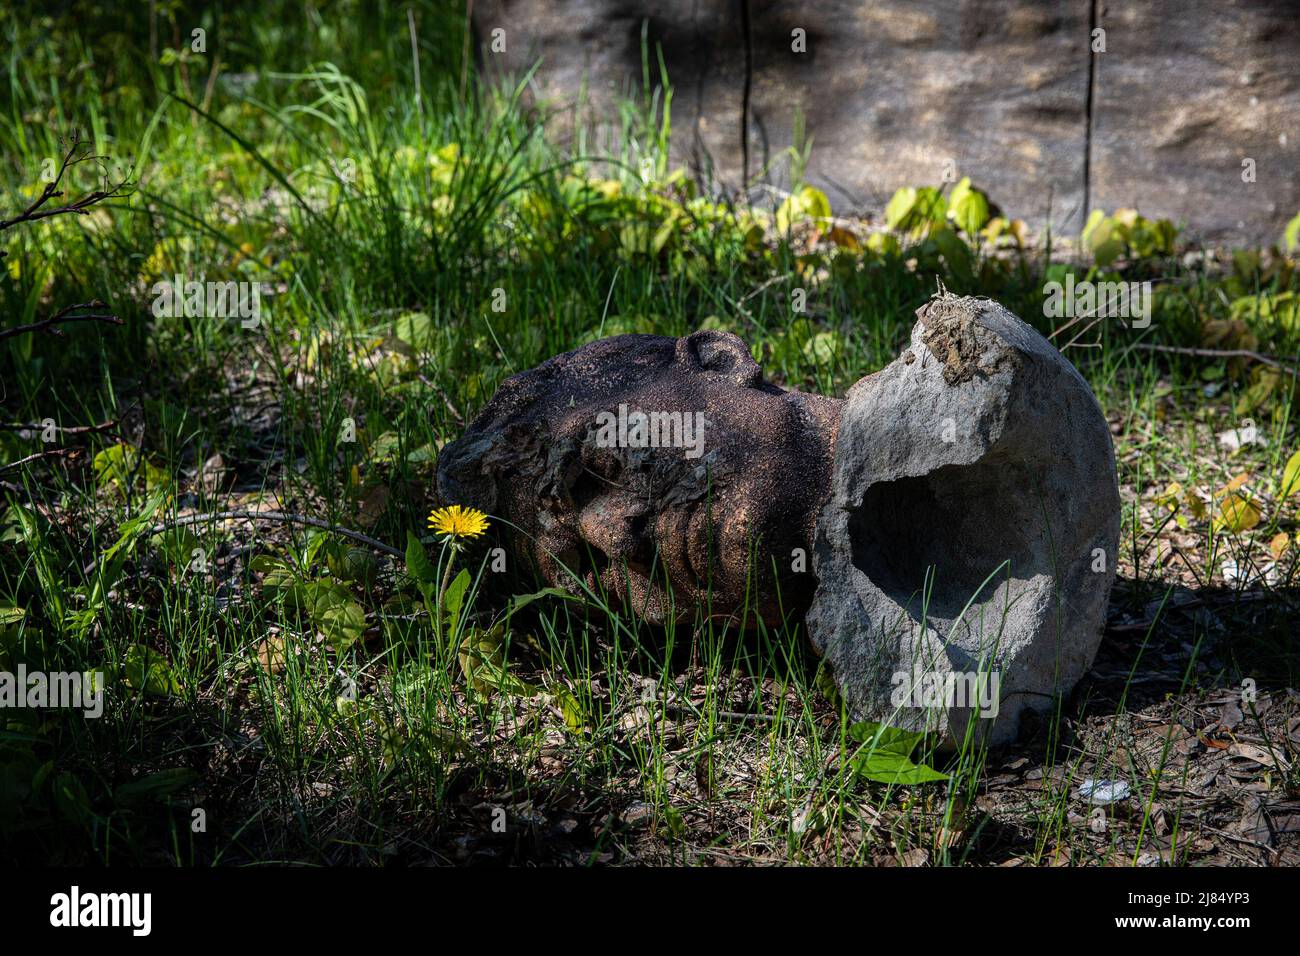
(960, 505)
(664, 472)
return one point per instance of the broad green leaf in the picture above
(575, 718)
(1095, 220)
(900, 207)
(885, 756)
(956, 253)
(342, 624)
(481, 657)
(823, 348)
(455, 597)
(384, 447)
(277, 574)
(121, 463)
(885, 738)
(177, 545)
(808, 203)
(316, 597)
(315, 544)
(884, 244)
(891, 768)
(1108, 251)
(1282, 308)
(155, 786)
(1260, 391)
(523, 600)
(265, 563)
(353, 564)
(144, 669)
(416, 329)
(482, 660)
(968, 207)
(916, 211)
(418, 565)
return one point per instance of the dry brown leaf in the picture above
(1259, 755)
(1277, 547)
(270, 654)
(1238, 481)
(1237, 514)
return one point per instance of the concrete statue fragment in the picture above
(949, 529)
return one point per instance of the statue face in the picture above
(640, 461)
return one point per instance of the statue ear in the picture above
(720, 352)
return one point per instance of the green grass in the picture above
(418, 254)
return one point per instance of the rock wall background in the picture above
(902, 92)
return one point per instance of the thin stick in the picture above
(62, 317)
(73, 430)
(450, 407)
(1217, 353)
(52, 453)
(282, 517)
(731, 716)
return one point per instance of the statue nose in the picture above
(617, 525)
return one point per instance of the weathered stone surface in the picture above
(892, 91)
(900, 93)
(1184, 93)
(971, 527)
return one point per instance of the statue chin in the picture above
(950, 528)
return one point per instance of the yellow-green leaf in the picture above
(1291, 476)
(147, 670)
(1237, 514)
(1292, 234)
(808, 203)
(968, 207)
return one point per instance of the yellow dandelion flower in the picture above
(458, 522)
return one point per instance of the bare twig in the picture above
(36, 210)
(728, 716)
(1218, 354)
(63, 317)
(460, 419)
(73, 430)
(283, 518)
(51, 453)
